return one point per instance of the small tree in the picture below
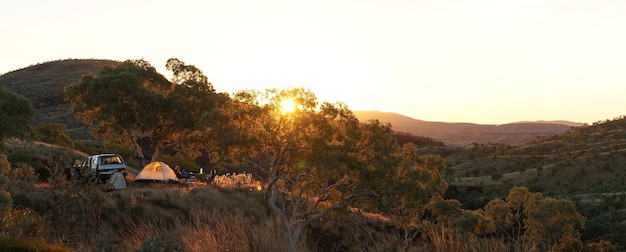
(16, 115)
(529, 217)
(554, 221)
(411, 185)
(54, 133)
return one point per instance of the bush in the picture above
(241, 180)
(23, 224)
(105, 243)
(496, 176)
(20, 156)
(163, 242)
(27, 245)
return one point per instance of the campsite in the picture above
(291, 174)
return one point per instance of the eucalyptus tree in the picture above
(133, 101)
(308, 155)
(315, 158)
(16, 115)
(529, 218)
(411, 186)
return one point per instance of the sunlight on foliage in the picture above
(240, 180)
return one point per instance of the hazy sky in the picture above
(488, 62)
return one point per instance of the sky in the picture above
(486, 62)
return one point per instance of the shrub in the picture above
(242, 180)
(20, 156)
(27, 245)
(23, 224)
(105, 243)
(162, 242)
(496, 176)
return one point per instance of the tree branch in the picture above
(346, 202)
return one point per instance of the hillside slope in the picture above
(581, 160)
(43, 85)
(459, 134)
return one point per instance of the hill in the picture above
(581, 160)
(459, 134)
(43, 85)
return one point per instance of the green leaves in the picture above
(532, 218)
(133, 101)
(16, 114)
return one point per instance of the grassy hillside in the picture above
(586, 165)
(582, 160)
(43, 85)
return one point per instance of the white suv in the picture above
(102, 166)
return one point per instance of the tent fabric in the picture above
(118, 181)
(157, 171)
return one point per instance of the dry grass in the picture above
(86, 217)
(442, 240)
(200, 218)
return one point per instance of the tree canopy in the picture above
(16, 115)
(133, 101)
(317, 157)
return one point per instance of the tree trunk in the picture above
(158, 152)
(294, 228)
(138, 152)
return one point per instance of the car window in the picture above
(110, 160)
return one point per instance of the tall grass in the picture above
(441, 239)
(88, 217)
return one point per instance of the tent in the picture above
(117, 181)
(156, 172)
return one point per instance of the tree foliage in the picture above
(529, 217)
(54, 133)
(133, 101)
(16, 115)
(308, 157)
(319, 158)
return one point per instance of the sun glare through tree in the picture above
(287, 106)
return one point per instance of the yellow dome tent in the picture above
(156, 172)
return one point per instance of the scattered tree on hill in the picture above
(411, 185)
(133, 101)
(16, 115)
(54, 133)
(529, 217)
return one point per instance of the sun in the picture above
(287, 106)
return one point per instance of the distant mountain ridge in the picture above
(459, 134)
